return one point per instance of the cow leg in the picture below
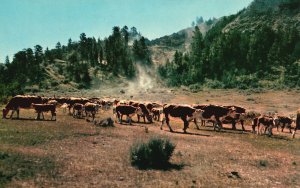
(119, 117)
(168, 123)
(242, 123)
(158, 117)
(294, 132)
(43, 115)
(162, 122)
(12, 113)
(185, 123)
(290, 128)
(282, 127)
(233, 125)
(53, 114)
(18, 113)
(254, 125)
(270, 130)
(93, 115)
(203, 123)
(219, 124)
(266, 128)
(121, 120)
(144, 118)
(258, 126)
(195, 121)
(138, 116)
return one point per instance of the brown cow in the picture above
(216, 114)
(127, 110)
(239, 117)
(156, 113)
(21, 101)
(284, 120)
(145, 112)
(74, 100)
(91, 109)
(40, 108)
(297, 123)
(267, 122)
(78, 110)
(186, 113)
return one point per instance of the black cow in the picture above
(186, 113)
(284, 121)
(40, 108)
(127, 110)
(216, 113)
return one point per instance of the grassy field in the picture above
(74, 153)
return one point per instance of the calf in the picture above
(73, 100)
(78, 110)
(40, 108)
(91, 109)
(145, 112)
(267, 122)
(129, 111)
(186, 113)
(238, 117)
(156, 113)
(284, 121)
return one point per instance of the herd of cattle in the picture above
(216, 114)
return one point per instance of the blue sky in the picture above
(25, 23)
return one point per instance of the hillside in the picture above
(163, 48)
(276, 14)
(257, 47)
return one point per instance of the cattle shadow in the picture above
(165, 167)
(279, 137)
(189, 133)
(30, 119)
(226, 130)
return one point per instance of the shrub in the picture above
(153, 154)
(195, 87)
(213, 84)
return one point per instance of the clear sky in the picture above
(25, 23)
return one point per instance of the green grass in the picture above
(17, 166)
(32, 133)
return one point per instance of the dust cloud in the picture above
(144, 81)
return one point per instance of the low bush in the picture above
(153, 154)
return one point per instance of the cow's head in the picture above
(97, 106)
(139, 111)
(4, 113)
(197, 114)
(149, 117)
(232, 112)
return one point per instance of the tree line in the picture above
(263, 57)
(115, 54)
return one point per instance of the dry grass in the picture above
(88, 156)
